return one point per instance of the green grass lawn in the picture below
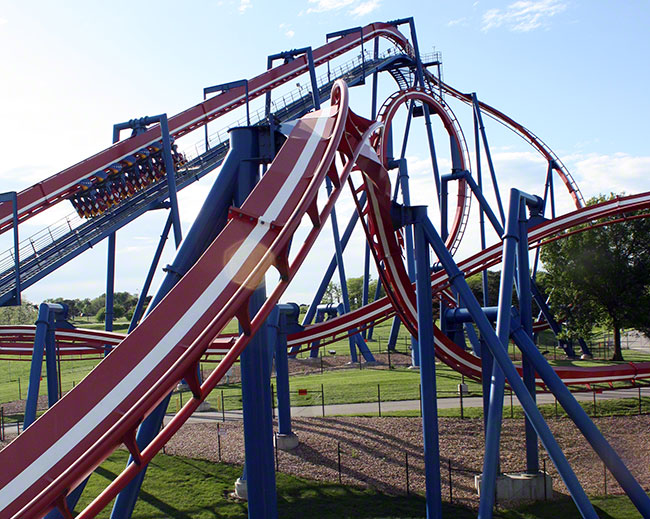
(184, 488)
(349, 385)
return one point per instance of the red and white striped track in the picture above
(73, 437)
(18, 341)
(447, 351)
(523, 132)
(456, 140)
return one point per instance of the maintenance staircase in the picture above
(52, 247)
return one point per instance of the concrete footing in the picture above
(241, 489)
(521, 487)
(286, 442)
(204, 407)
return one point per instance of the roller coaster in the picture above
(248, 227)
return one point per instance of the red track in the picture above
(447, 351)
(73, 437)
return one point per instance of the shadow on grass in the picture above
(165, 508)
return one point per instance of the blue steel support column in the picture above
(552, 191)
(549, 174)
(526, 312)
(43, 332)
(287, 323)
(479, 176)
(366, 281)
(427, 371)
(377, 292)
(495, 408)
(170, 173)
(355, 338)
(40, 337)
(501, 358)
(209, 222)
(110, 284)
(403, 176)
(282, 379)
(258, 426)
(256, 391)
(427, 113)
(394, 333)
(488, 155)
(50, 362)
(137, 313)
(367, 333)
(595, 438)
(487, 365)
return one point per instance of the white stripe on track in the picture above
(62, 447)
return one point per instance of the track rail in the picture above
(452, 354)
(18, 341)
(523, 132)
(104, 410)
(459, 153)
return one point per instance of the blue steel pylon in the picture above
(496, 343)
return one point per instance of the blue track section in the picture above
(69, 243)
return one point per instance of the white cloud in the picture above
(244, 5)
(355, 7)
(3, 21)
(287, 30)
(365, 8)
(523, 15)
(603, 174)
(457, 21)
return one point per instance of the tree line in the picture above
(86, 308)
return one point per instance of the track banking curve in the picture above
(446, 350)
(523, 132)
(104, 410)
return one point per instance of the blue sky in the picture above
(574, 72)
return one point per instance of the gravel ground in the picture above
(374, 451)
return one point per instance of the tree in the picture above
(332, 294)
(475, 283)
(601, 276)
(23, 314)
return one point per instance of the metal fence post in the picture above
(219, 441)
(338, 449)
(408, 490)
(379, 400)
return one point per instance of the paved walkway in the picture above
(400, 405)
